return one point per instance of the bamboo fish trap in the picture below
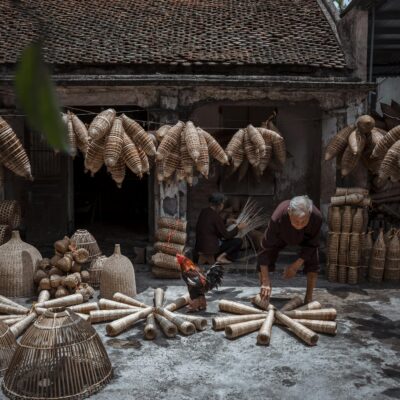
(264, 334)
(60, 357)
(102, 124)
(166, 261)
(219, 323)
(169, 235)
(377, 264)
(8, 345)
(10, 213)
(85, 240)
(114, 143)
(338, 143)
(242, 328)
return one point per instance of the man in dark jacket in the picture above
(294, 222)
(212, 237)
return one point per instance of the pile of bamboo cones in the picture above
(171, 239)
(256, 147)
(123, 312)
(348, 221)
(302, 320)
(184, 149)
(63, 275)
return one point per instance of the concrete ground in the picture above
(361, 362)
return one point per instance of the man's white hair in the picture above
(300, 206)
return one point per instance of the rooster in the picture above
(199, 283)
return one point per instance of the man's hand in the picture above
(241, 226)
(265, 292)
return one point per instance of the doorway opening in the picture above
(112, 214)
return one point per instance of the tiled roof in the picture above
(171, 32)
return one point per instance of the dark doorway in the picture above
(112, 214)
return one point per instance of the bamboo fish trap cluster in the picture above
(78, 137)
(59, 357)
(171, 239)
(124, 312)
(184, 149)
(63, 274)
(257, 147)
(118, 142)
(12, 154)
(304, 321)
(347, 220)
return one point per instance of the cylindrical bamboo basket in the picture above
(314, 305)
(169, 235)
(101, 124)
(5, 300)
(105, 304)
(66, 301)
(350, 199)
(85, 240)
(264, 334)
(60, 357)
(100, 316)
(392, 264)
(324, 314)
(158, 297)
(184, 327)
(347, 220)
(305, 334)
(21, 326)
(12, 321)
(344, 243)
(8, 345)
(84, 308)
(116, 327)
(169, 248)
(150, 330)
(238, 308)
(178, 303)
(342, 273)
(342, 191)
(257, 301)
(17, 267)
(358, 221)
(118, 275)
(10, 316)
(352, 275)
(166, 261)
(296, 302)
(7, 309)
(242, 328)
(336, 219)
(95, 270)
(199, 322)
(354, 256)
(219, 323)
(123, 298)
(328, 327)
(169, 329)
(174, 224)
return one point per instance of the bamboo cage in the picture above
(84, 239)
(8, 345)
(60, 357)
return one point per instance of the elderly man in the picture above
(212, 237)
(294, 222)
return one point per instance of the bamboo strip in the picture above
(199, 322)
(106, 304)
(298, 329)
(158, 297)
(121, 325)
(324, 314)
(329, 327)
(178, 303)
(6, 300)
(238, 308)
(314, 305)
(19, 328)
(84, 308)
(7, 309)
(150, 331)
(297, 301)
(242, 328)
(100, 316)
(12, 321)
(219, 323)
(66, 301)
(264, 334)
(185, 327)
(257, 301)
(44, 295)
(85, 317)
(122, 298)
(169, 329)
(10, 316)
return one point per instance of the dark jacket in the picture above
(210, 229)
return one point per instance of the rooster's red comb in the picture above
(180, 258)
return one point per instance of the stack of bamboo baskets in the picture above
(302, 320)
(12, 154)
(348, 219)
(171, 238)
(116, 141)
(184, 149)
(63, 275)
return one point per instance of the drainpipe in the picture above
(371, 55)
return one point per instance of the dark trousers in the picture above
(231, 248)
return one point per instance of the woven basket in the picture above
(355, 250)
(85, 240)
(5, 234)
(118, 275)
(172, 223)
(95, 269)
(251, 151)
(95, 155)
(342, 274)
(17, 266)
(130, 155)
(344, 243)
(171, 164)
(338, 143)
(235, 149)
(170, 140)
(169, 248)
(166, 261)
(392, 264)
(366, 248)
(216, 151)
(8, 346)
(101, 124)
(352, 277)
(10, 213)
(114, 143)
(203, 163)
(169, 235)
(358, 221)
(377, 263)
(336, 219)
(60, 357)
(165, 273)
(12, 153)
(347, 219)
(192, 141)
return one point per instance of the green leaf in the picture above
(36, 96)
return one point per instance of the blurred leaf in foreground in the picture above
(37, 98)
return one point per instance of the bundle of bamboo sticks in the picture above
(302, 320)
(184, 149)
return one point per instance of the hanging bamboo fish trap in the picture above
(113, 144)
(102, 124)
(251, 151)
(8, 345)
(386, 142)
(118, 172)
(389, 165)
(80, 130)
(186, 161)
(60, 357)
(338, 143)
(72, 141)
(235, 149)
(94, 158)
(130, 155)
(118, 275)
(192, 141)
(170, 140)
(203, 162)
(17, 266)
(95, 270)
(10, 213)
(85, 240)
(216, 151)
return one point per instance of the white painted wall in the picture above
(388, 90)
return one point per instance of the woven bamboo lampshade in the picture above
(86, 240)
(17, 265)
(118, 275)
(59, 357)
(8, 345)
(95, 270)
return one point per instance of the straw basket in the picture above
(95, 269)
(60, 357)
(169, 235)
(118, 275)
(8, 346)
(392, 264)
(85, 240)
(172, 223)
(10, 213)
(17, 266)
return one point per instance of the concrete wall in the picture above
(388, 89)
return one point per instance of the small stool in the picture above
(206, 259)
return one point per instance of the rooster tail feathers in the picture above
(214, 276)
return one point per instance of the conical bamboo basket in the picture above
(94, 157)
(216, 151)
(113, 144)
(365, 123)
(5, 234)
(85, 240)
(238, 308)
(392, 264)
(219, 323)
(131, 156)
(102, 124)
(8, 345)
(242, 328)
(118, 275)
(178, 303)
(170, 140)
(60, 357)
(235, 149)
(192, 141)
(338, 143)
(17, 266)
(390, 163)
(118, 172)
